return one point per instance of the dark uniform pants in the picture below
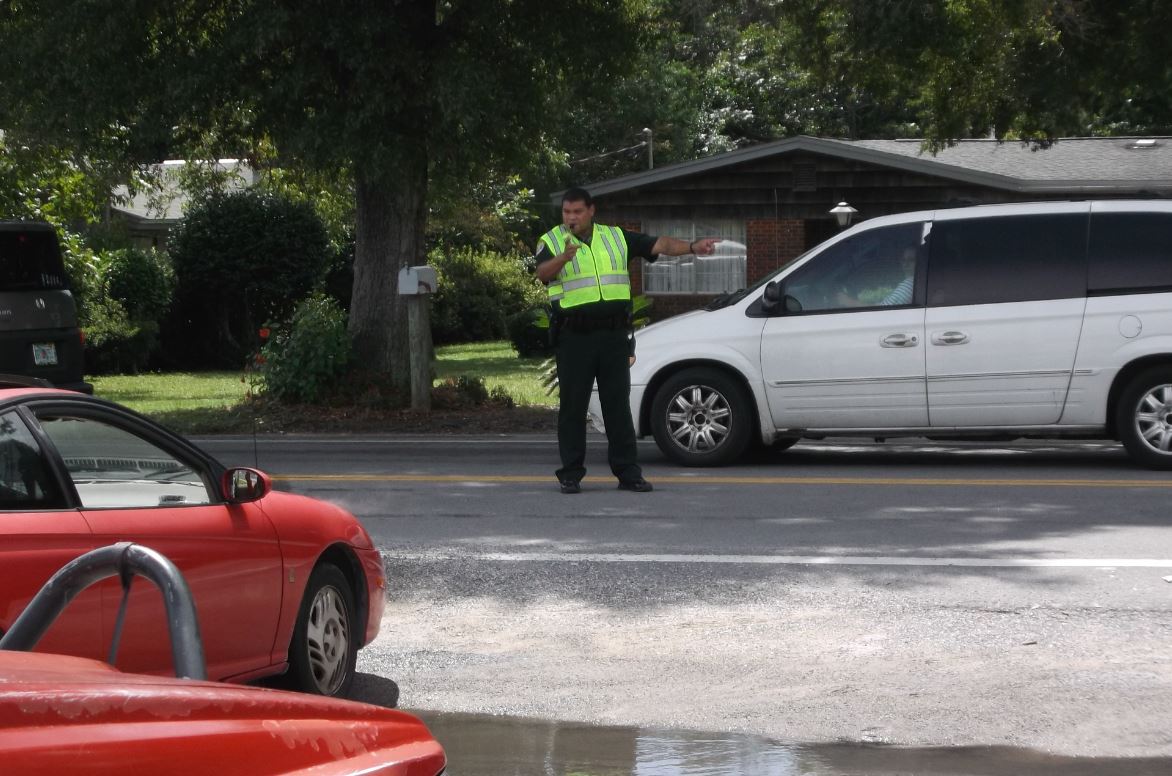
(582, 357)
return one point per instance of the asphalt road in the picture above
(910, 593)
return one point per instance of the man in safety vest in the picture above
(585, 268)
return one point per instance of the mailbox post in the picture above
(416, 285)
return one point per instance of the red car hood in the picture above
(63, 714)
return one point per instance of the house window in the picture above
(723, 271)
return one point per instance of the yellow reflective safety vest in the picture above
(597, 272)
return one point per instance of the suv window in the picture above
(30, 261)
(875, 268)
(1007, 259)
(1130, 252)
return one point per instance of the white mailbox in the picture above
(417, 280)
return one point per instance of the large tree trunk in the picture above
(390, 220)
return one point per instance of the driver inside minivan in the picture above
(885, 295)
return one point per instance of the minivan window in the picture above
(1130, 252)
(30, 261)
(1007, 259)
(875, 268)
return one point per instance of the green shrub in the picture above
(85, 275)
(240, 258)
(478, 291)
(529, 332)
(123, 307)
(468, 392)
(142, 280)
(120, 337)
(117, 345)
(301, 362)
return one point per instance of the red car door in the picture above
(143, 490)
(39, 535)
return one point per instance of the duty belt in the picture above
(582, 323)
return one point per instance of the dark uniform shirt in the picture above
(638, 244)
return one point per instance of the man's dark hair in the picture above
(578, 195)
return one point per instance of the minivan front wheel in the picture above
(701, 417)
(1143, 418)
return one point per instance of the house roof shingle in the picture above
(1084, 166)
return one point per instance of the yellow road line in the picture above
(729, 480)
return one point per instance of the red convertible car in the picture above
(62, 714)
(283, 584)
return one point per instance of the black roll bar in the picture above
(124, 560)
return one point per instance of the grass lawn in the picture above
(207, 402)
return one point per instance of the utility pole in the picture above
(650, 148)
(417, 284)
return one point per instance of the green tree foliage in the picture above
(391, 92)
(714, 75)
(1027, 69)
(240, 258)
(492, 214)
(47, 184)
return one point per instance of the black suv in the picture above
(39, 336)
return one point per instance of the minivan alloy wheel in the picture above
(698, 418)
(701, 417)
(1143, 419)
(1153, 418)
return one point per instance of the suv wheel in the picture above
(1143, 418)
(701, 417)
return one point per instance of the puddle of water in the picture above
(483, 745)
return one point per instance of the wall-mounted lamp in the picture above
(843, 213)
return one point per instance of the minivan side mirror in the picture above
(775, 301)
(771, 297)
(241, 485)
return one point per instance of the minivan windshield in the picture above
(732, 297)
(30, 261)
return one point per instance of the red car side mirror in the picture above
(242, 485)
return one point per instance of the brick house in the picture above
(771, 201)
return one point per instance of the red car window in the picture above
(112, 468)
(25, 482)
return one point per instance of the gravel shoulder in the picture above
(797, 655)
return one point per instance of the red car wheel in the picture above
(325, 646)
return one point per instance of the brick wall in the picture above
(770, 243)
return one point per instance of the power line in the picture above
(635, 147)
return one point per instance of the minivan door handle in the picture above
(950, 338)
(899, 341)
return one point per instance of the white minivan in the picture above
(1025, 320)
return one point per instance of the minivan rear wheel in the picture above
(1143, 418)
(701, 417)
